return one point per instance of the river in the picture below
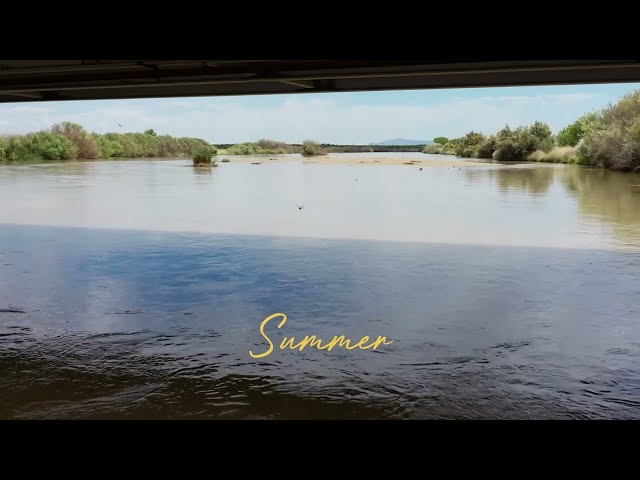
(136, 288)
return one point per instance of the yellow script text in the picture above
(314, 341)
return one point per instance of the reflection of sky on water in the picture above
(138, 322)
(466, 320)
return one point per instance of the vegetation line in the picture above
(609, 138)
(68, 141)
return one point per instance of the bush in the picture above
(243, 149)
(272, 147)
(42, 146)
(468, 152)
(204, 155)
(85, 145)
(467, 145)
(69, 140)
(612, 138)
(261, 147)
(433, 149)
(109, 147)
(519, 144)
(572, 134)
(310, 148)
(506, 151)
(13, 150)
(486, 148)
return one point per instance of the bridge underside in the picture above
(54, 80)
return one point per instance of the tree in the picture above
(441, 140)
(518, 144)
(85, 146)
(572, 134)
(612, 137)
(151, 132)
(540, 130)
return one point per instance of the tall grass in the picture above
(555, 155)
(204, 156)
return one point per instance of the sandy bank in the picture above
(343, 160)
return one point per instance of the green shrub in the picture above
(467, 145)
(243, 149)
(272, 147)
(3, 151)
(486, 148)
(85, 145)
(612, 138)
(433, 149)
(69, 140)
(506, 151)
(109, 147)
(261, 147)
(12, 147)
(204, 155)
(572, 134)
(468, 152)
(519, 144)
(37, 146)
(310, 148)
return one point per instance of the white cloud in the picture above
(298, 117)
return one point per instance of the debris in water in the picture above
(11, 310)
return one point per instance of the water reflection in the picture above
(159, 325)
(522, 178)
(612, 196)
(514, 299)
(203, 170)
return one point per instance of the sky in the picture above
(339, 118)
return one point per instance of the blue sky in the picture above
(360, 118)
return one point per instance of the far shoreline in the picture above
(342, 159)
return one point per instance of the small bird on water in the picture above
(299, 206)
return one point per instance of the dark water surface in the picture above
(143, 285)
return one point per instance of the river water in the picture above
(137, 289)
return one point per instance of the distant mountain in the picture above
(403, 141)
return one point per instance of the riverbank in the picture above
(337, 159)
(566, 155)
(608, 139)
